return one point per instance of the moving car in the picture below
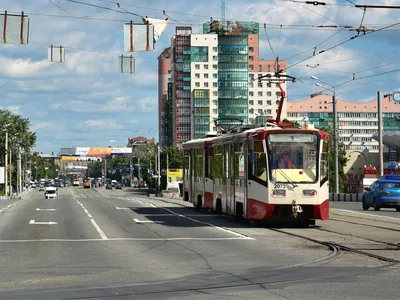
(109, 186)
(118, 185)
(75, 183)
(87, 183)
(50, 193)
(383, 193)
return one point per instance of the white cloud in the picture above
(15, 109)
(22, 67)
(118, 104)
(101, 124)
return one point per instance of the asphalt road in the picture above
(118, 245)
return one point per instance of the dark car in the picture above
(118, 185)
(383, 193)
(109, 186)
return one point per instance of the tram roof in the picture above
(237, 136)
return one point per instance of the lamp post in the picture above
(335, 145)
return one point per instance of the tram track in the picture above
(363, 224)
(341, 247)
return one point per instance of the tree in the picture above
(174, 158)
(342, 159)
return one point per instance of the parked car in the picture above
(383, 193)
(109, 186)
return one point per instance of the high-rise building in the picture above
(164, 77)
(357, 121)
(212, 78)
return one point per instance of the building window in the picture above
(215, 111)
(169, 71)
(278, 94)
(215, 84)
(269, 94)
(206, 75)
(269, 68)
(215, 58)
(269, 102)
(259, 68)
(215, 102)
(251, 102)
(251, 111)
(205, 84)
(269, 84)
(215, 93)
(251, 76)
(215, 75)
(260, 111)
(251, 67)
(197, 75)
(197, 84)
(205, 67)
(251, 58)
(269, 111)
(251, 93)
(215, 67)
(251, 84)
(251, 49)
(260, 84)
(197, 66)
(260, 93)
(260, 102)
(215, 49)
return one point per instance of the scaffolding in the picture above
(231, 27)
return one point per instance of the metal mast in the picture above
(223, 12)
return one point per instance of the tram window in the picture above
(210, 164)
(260, 166)
(324, 162)
(186, 160)
(199, 165)
(218, 163)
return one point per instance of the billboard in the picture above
(121, 151)
(2, 175)
(67, 151)
(175, 175)
(99, 152)
(83, 151)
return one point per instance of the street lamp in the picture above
(335, 146)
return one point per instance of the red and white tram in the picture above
(277, 173)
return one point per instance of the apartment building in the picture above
(357, 121)
(211, 77)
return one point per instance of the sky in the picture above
(86, 101)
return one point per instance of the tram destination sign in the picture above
(291, 138)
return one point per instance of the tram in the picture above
(277, 172)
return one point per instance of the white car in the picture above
(50, 193)
(75, 183)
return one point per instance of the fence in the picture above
(345, 197)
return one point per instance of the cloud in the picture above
(100, 124)
(22, 67)
(15, 109)
(118, 104)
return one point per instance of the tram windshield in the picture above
(292, 157)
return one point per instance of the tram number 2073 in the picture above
(279, 186)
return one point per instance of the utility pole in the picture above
(159, 169)
(335, 145)
(380, 133)
(10, 167)
(6, 166)
(105, 168)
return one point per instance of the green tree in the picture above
(342, 159)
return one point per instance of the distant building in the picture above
(357, 121)
(139, 140)
(212, 77)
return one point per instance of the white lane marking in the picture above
(102, 235)
(209, 224)
(371, 215)
(116, 207)
(151, 204)
(140, 201)
(147, 221)
(126, 239)
(46, 209)
(33, 222)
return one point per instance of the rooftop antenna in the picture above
(223, 12)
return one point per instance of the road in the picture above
(122, 245)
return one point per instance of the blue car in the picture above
(383, 193)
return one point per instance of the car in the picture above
(109, 186)
(383, 193)
(51, 193)
(118, 185)
(75, 183)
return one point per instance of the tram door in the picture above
(228, 177)
(238, 176)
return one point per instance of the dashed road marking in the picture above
(147, 221)
(151, 204)
(97, 227)
(33, 222)
(116, 207)
(46, 209)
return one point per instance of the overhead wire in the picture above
(74, 14)
(104, 7)
(269, 41)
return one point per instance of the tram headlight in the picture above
(278, 193)
(309, 193)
